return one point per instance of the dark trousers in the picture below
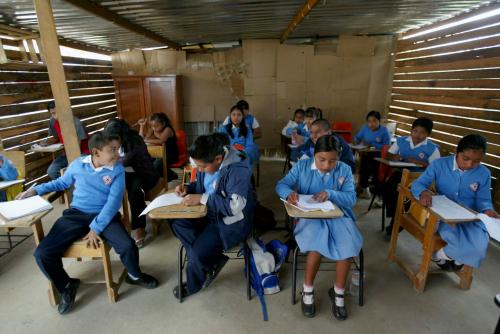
(158, 165)
(368, 168)
(136, 197)
(391, 193)
(74, 225)
(203, 246)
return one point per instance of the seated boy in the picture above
(223, 184)
(320, 128)
(93, 215)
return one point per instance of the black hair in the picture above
(313, 112)
(51, 105)
(327, 143)
(373, 113)
(423, 122)
(299, 111)
(242, 126)
(100, 139)
(207, 147)
(222, 137)
(322, 123)
(129, 137)
(243, 105)
(472, 142)
(162, 119)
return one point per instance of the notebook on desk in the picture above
(20, 208)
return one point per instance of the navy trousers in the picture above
(74, 225)
(369, 167)
(203, 245)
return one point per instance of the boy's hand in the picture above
(396, 157)
(416, 162)
(92, 239)
(491, 213)
(26, 194)
(426, 198)
(179, 192)
(321, 196)
(141, 122)
(191, 200)
(293, 198)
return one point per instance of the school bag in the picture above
(265, 261)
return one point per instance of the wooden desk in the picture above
(7, 184)
(296, 213)
(396, 164)
(45, 150)
(178, 211)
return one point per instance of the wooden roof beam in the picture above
(108, 15)
(299, 17)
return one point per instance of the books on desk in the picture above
(307, 204)
(20, 208)
(48, 148)
(160, 201)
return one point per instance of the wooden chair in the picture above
(159, 152)
(422, 224)
(79, 250)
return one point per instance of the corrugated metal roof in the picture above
(204, 21)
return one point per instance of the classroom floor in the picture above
(391, 303)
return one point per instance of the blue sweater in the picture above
(97, 190)
(8, 171)
(377, 138)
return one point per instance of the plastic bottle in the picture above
(354, 283)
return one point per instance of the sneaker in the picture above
(365, 194)
(68, 296)
(308, 310)
(146, 281)
(212, 274)
(339, 312)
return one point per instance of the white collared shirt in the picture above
(88, 160)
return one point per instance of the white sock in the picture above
(133, 277)
(308, 299)
(441, 257)
(339, 301)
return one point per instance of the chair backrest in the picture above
(384, 171)
(342, 127)
(18, 159)
(160, 152)
(181, 148)
(417, 211)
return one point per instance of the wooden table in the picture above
(178, 211)
(44, 150)
(7, 184)
(318, 214)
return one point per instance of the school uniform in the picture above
(338, 238)
(250, 147)
(466, 243)
(250, 121)
(229, 200)
(301, 128)
(377, 139)
(426, 151)
(97, 197)
(8, 172)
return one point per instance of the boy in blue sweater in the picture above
(93, 215)
(223, 185)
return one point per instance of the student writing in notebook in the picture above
(99, 185)
(463, 179)
(338, 239)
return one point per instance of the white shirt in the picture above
(394, 149)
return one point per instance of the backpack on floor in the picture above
(263, 273)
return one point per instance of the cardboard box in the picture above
(260, 57)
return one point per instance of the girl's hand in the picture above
(179, 192)
(322, 196)
(491, 213)
(426, 198)
(397, 157)
(293, 198)
(191, 200)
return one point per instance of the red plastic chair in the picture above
(343, 129)
(182, 148)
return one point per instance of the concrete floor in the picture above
(391, 304)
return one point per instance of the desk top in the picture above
(7, 184)
(47, 149)
(178, 211)
(25, 221)
(296, 213)
(393, 163)
(363, 148)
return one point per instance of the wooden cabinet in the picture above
(140, 96)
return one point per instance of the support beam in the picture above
(52, 57)
(108, 15)
(301, 14)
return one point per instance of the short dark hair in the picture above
(222, 137)
(207, 147)
(299, 111)
(472, 142)
(327, 143)
(100, 139)
(243, 105)
(313, 112)
(373, 113)
(51, 105)
(322, 123)
(423, 122)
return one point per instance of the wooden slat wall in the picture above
(453, 77)
(25, 91)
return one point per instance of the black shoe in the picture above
(212, 274)
(68, 296)
(184, 291)
(308, 310)
(339, 312)
(146, 281)
(449, 265)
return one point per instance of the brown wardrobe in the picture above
(140, 96)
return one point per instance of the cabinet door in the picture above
(162, 95)
(130, 98)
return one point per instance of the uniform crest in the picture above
(474, 186)
(107, 180)
(378, 139)
(421, 155)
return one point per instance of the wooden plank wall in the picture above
(452, 76)
(25, 91)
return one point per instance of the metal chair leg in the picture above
(361, 278)
(247, 271)
(373, 200)
(294, 274)
(180, 268)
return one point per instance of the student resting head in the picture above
(470, 151)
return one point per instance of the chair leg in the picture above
(53, 295)
(465, 277)
(258, 174)
(373, 200)
(180, 268)
(108, 275)
(361, 300)
(247, 271)
(294, 274)
(383, 215)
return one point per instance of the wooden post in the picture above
(52, 57)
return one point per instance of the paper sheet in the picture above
(306, 203)
(358, 146)
(19, 208)
(48, 148)
(163, 200)
(6, 184)
(492, 225)
(401, 164)
(449, 210)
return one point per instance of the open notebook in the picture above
(19, 208)
(163, 200)
(307, 204)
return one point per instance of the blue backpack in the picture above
(265, 261)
